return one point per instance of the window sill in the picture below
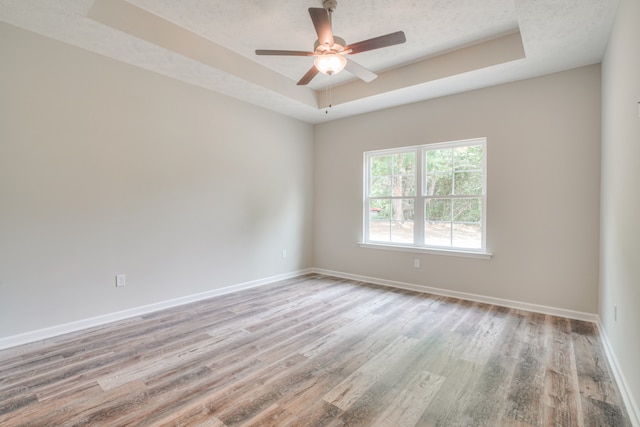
(431, 251)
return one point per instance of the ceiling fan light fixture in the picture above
(330, 50)
(330, 63)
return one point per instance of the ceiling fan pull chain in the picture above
(330, 87)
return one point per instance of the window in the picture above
(429, 196)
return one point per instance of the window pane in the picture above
(380, 165)
(393, 175)
(379, 220)
(467, 158)
(380, 231)
(404, 164)
(437, 230)
(437, 233)
(402, 220)
(404, 180)
(404, 185)
(439, 160)
(467, 210)
(467, 215)
(439, 184)
(467, 236)
(402, 231)
(402, 209)
(380, 186)
(467, 183)
(380, 209)
(438, 210)
(391, 220)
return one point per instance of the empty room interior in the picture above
(200, 224)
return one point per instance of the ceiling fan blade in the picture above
(377, 42)
(313, 71)
(360, 71)
(322, 23)
(283, 52)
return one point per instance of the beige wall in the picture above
(620, 225)
(106, 169)
(543, 154)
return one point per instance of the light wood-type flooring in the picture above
(317, 351)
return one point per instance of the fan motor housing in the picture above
(337, 47)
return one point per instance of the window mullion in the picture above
(419, 206)
(453, 192)
(365, 200)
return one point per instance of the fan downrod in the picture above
(330, 5)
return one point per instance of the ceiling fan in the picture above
(331, 51)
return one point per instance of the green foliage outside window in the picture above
(393, 176)
(454, 172)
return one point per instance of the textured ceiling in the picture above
(452, 45)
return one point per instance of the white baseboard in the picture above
(577, 315)
(40, 334)
(625, 391)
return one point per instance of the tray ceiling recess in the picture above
(450, 47)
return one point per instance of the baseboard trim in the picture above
(625, 391)
(577, 315)
(65, 328)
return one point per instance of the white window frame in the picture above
(420, 200)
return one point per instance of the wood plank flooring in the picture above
(317, 351)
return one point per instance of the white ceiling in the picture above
(452, 45)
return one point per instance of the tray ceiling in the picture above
(452, 46)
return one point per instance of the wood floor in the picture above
(317, 351)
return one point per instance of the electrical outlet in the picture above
(284, 253)
(615, 313)
(120, 280)
(416, 263)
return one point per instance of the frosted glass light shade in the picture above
(330, 63)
